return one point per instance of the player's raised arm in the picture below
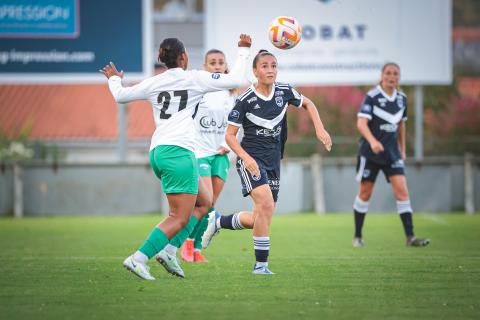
(237, 75)
(119, 92)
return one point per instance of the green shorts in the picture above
(176, 167)
(216, 165)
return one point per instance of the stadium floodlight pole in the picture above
(418, 123)
(122, 132)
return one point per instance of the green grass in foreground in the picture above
(71, 268)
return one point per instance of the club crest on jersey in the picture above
(279, 101)
(215, 75)
(400, 103)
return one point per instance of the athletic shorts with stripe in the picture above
(250, 182)
(367, 170)
(214, 166)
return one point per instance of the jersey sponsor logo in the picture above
(252, 99)
(234, 114)
(208, 122)
(269, 132)
(398, 164)
(216, 75)
(389, 127)
(274, 184)
(279, 93)
(279, 101)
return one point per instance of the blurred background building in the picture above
(79, 123)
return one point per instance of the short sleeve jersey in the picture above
(384, 114)
(263, 122)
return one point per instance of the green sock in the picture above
(200, 229)
(155, 242)
(183, 234)
(195, 231)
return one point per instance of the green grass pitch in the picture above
(71, 268)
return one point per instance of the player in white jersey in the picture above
(174, 95)
(211, 151)
(381, 122)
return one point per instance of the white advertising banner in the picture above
(344, 41)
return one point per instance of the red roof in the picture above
(66, 112)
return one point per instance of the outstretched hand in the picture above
(110, 70)
(245, 41)
(324, 137)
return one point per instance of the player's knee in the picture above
(267, 208)
(365, 195)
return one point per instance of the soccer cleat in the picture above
(139, 269)
(187, 251)
(416, 242)
(170, 263)
(357, 242)
(198, 257)
(261, 270)
(211, 230)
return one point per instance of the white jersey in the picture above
(175, 96)
(211, 122)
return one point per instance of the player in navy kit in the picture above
(261, 111)
(381, 122)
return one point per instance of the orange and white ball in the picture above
(285, 32)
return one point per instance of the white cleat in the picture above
(139, 269)
(262, 270)
(358, 242)
(170, 263)
(211, 230)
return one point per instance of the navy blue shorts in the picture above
(250, 182)
(367, 170)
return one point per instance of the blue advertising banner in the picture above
(58, 41)
(39, 18)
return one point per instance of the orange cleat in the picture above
(187, 251)
(198, 257)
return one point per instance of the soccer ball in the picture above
(285, 32)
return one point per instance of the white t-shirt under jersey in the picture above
(211, 122)
(175, 96)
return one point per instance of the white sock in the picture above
(171, 250)
(261, 264)
(140, 257)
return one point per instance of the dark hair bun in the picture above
(169, 51)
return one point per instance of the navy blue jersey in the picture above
(384, 113)
(264, 122)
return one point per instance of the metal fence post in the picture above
(469, 185)
(317, 177)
